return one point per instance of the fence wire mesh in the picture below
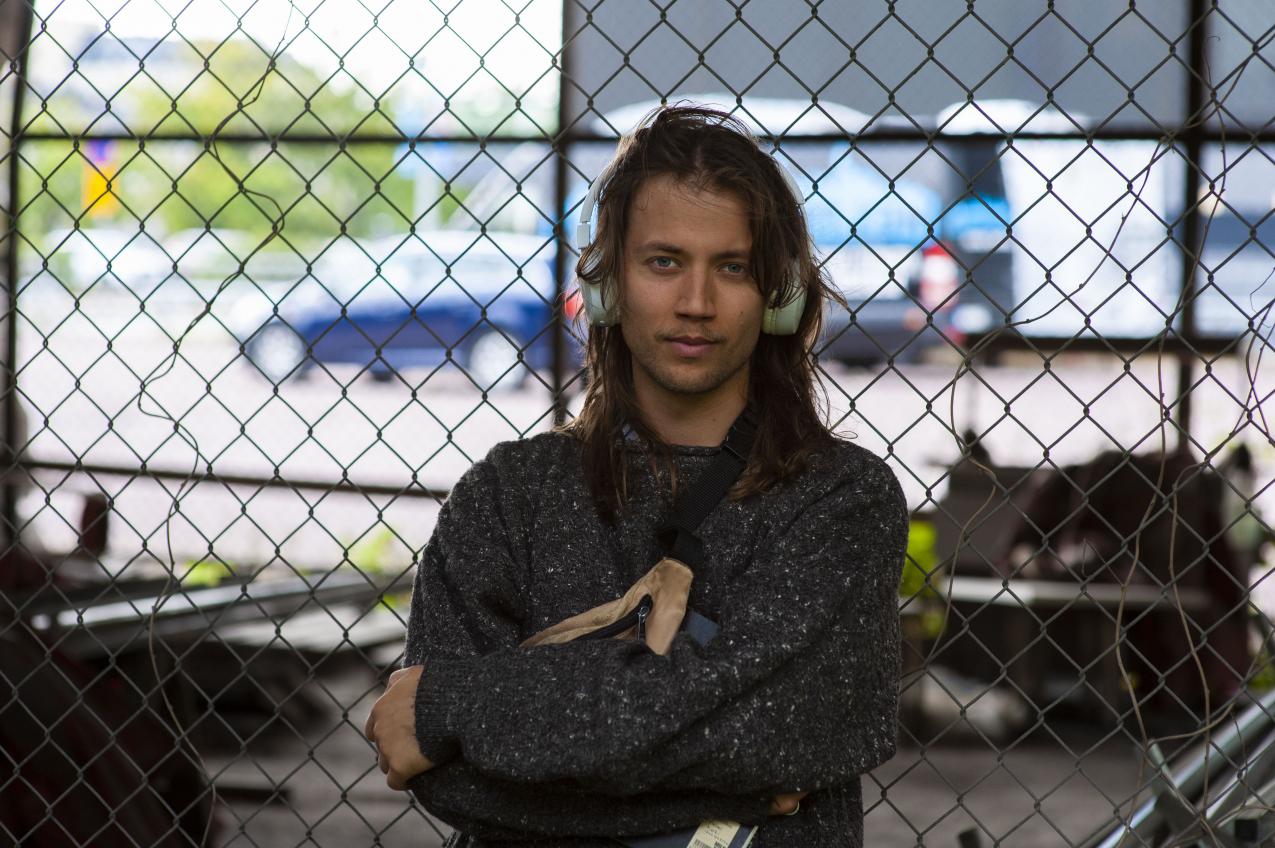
(279, 272)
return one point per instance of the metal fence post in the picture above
(564, 240)
(17, 19)
(1197, 101)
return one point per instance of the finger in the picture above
(383, 763)
(396, 781)
(786, 803)
(369, 726)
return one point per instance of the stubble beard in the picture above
(698, 381)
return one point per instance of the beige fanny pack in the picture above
(652, 609)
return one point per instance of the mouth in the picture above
(691, 346)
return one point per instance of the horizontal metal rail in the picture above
(413, 490)
(94, 628)
(1232, 135)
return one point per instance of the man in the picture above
(701, 245)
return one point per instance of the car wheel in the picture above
(278, 352)
(493, 358)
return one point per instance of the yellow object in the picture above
(98, 190)
(205, 573)
(920, 561)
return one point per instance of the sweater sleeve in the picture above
(465, 603)
(490, 808)
(797, 691)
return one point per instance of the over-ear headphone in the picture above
(779, 319)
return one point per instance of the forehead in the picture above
(676, 211)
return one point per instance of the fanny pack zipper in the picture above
(615, 628)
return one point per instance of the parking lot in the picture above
(425, 426)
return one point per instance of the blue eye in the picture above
(657, 262)
(735, 268)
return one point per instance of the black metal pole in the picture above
(562, 256)
(1197, 102)
(11, 446)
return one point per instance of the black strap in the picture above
(676, 534)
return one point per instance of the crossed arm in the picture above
(591, 725)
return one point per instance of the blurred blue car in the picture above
(483, 301)
(913, 235)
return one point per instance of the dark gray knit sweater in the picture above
(566, 745)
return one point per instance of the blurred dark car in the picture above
(483, 301)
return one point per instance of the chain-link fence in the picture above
(278, 272)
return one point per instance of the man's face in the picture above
(690, 309)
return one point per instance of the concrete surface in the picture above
(1049, 790)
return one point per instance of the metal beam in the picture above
(1192, 238)
(1202, 134)
(16, 20)
(562, 255)
(411, 490)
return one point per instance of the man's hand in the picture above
(392, 728)
(786, 805)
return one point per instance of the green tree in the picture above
(315, 190)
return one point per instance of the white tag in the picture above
(716, 834)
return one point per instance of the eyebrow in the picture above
(665, 247)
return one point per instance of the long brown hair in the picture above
(704, 148)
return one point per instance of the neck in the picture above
(697, 420)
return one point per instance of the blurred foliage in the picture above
(1263, 677)
(397, 601)
(205, 572)
(374, 552)
(319, 190)
(377, 553)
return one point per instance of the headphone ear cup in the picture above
(594, 294)
(595, 306)
(783, 320)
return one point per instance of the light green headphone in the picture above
(779, 319)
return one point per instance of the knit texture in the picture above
(566, 745)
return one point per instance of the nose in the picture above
(697, 295)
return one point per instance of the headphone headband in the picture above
(583, 235)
